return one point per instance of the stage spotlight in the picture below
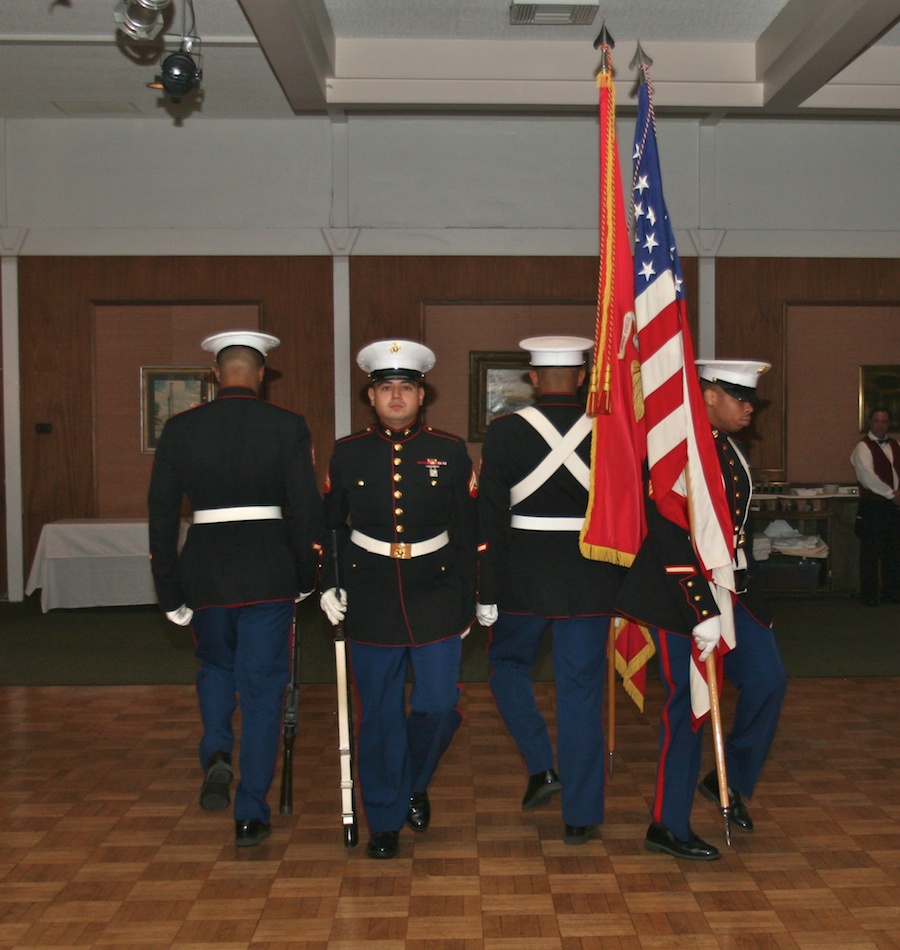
(180, 74)
(140, 19)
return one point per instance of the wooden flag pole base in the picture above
(715, 714)
(611, 695)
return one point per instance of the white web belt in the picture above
(399, 550)
(537, 523)
(239, 513)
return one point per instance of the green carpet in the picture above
(819, 636)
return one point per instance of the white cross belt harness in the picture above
(562, 453)
(400, 550)
(239, 513)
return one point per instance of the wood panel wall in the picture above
(388, 294)
(751, 296)
(56, 296)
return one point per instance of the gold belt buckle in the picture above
(400, 550)
(741, 539)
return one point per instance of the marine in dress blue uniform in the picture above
(666, 589)
(253, 548)
(533, 494)
(401, 497)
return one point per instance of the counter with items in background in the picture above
(803, 537)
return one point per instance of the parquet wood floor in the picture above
(104, 844)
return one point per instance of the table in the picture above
(827, 513)
(93, 562)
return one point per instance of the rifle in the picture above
(345, 717)
(289, 727)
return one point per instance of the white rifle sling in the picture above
(562, 453)
(345, 748)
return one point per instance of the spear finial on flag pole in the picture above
(604, 38)
(641, 61)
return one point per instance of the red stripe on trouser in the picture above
(665, 669)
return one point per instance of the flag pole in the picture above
(611, 694)
(715, 715)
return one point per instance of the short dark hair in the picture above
(245, 355)
(875, 409)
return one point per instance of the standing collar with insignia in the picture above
(395, 434)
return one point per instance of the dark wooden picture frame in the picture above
(168, 390)
(879, 386)
(498, 384)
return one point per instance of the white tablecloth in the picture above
(93, 562)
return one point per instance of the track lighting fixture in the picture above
(180, 73)
(140, 19)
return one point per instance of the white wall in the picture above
(439, 185)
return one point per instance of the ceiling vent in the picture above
(552, 13)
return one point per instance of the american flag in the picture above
(685, 475)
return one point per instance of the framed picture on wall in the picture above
(879, 386)
(498, 384)
(168, 390)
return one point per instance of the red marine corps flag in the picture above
(685, 476)
(615, 522)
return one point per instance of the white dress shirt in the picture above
(861, 460)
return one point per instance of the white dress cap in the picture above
(261, 342)
(737, 377)
(395, 359)
(557, 350)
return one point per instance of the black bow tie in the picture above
(882, 441)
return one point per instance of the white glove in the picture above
(707, 636)
(487, 614)
(302, 596)
(465, 632)
(335, 607)
(182, 616)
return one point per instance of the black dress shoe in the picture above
(214, 794)
(249, 833)
(737, 811)
(383, 844)
(419, 814)
(662, 840)
(579, 834)
(542, 786)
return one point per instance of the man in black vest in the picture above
(401, 497)
(246, 467)
(532, 499)
(876, 461)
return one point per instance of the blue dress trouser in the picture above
(244, 652)
(398, 753)
(579, 670)
(755, 669)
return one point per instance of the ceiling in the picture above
(273, 59)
